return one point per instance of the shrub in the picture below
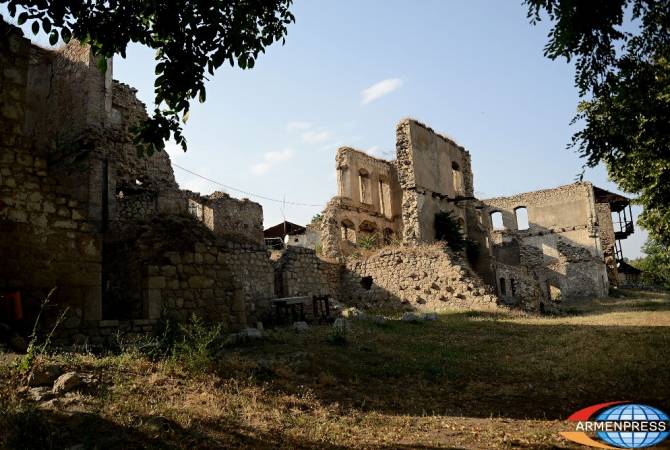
(198, 344)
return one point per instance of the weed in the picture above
(25, 364)
(198, 345)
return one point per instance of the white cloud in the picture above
(282, 155)
(316, 137)
(261, 168)
(379, 90)
(298, 126)
(270, 159)
(378, 152)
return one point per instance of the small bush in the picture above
(368, 241)
(198, 345)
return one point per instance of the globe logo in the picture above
(633, 414)
(619, 425)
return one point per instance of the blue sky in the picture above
(351, 69)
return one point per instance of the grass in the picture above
(468, 380)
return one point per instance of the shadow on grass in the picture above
(47, 429)
(472, 364)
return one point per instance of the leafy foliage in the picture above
(655, 266)
(189, 36)
(368, 241)
(624, 78)
(448, 229)
(199, 345)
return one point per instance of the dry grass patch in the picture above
(468, 380)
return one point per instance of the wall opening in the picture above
(503, 288)
(521, 218)
(554, 292)
(384, 197)
(348, 230)
(457, 178)
(365, 187)
(497, 220)
(366, 283)
(512, 286)
(195, 209)
(388, 236)
(343, 188)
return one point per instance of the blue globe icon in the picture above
(637, 439)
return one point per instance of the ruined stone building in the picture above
(126, 248)
(80, 211)
(534, 248)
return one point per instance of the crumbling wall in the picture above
(607, 241)
(227, 216)
(561, 247)
(46, 239)
(434, 172)
(176, 267)
(301, 272)
(424, 277)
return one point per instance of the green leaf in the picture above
(36, 27)
(22, 18)
(46, 25)
(203, 95)
(186, 116)
(66, 35)
(53, 38)
(102, 64)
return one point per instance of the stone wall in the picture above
(561, 247)
(227, 216)
(301, 272)
(434, 172)
(46, 239)
(175, 267)
(423, 277)
(607, 241)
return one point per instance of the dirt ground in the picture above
(468, 380)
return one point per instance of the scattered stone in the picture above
(44, 375)
(353, 313)
(40, 394)
(430, 317)
(250, 333)
(300, 326)
(67, 382)
(379, 320)
(341, 325)
(410, 317)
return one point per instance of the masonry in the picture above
(534, 249)
(126, 248)
(80, 211)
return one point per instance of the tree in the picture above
(189, 36)
(655, 266)
(624, 82)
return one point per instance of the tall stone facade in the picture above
(550, 239)
(397, 200)
(80, 211)
(565, 247)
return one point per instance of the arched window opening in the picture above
(457, 178)
(497, 220)
(365, 187)
(521, 218)
(348, 231)
(384, 197)
(512, 286)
